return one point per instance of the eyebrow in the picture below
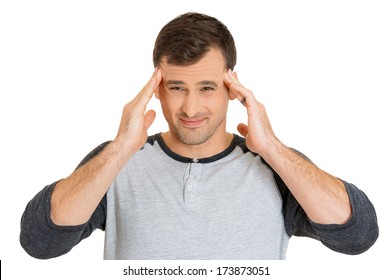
(202, 83)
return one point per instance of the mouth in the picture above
(192, 122)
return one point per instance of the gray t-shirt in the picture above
(165, 206)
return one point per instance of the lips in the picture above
(192, 122)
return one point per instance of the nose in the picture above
(191, 105)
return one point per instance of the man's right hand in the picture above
(132, 132)
(75, 198)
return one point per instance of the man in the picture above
(196, 191)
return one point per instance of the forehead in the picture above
(210, 67)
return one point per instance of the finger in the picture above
(231, 82)
(236, 88)
(243, 129)
(149, 117)
(157, 78)
(147, 92)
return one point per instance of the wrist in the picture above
(273, 148)
(121, 150)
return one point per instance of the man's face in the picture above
(194, 98)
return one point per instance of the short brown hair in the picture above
(188, 37)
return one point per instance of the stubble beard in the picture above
(195, 136)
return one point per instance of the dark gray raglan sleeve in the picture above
(43, 239)
(359, 233)
(355, 236)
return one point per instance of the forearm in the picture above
(75, 198)
(42, 239)
(322, 196)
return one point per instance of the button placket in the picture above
(190, 188)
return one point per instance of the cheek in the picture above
(219, 101)
(169, 105)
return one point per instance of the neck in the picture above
(214, 145)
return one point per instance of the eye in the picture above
(207, 89)
(177, 89)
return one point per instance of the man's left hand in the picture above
(258, 132)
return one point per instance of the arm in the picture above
(355, 236)
(75, 198)
(43, 239)
(64, 213)
(323, 198)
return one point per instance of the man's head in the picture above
(194, 52)
(187, 38)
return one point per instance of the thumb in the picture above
(243, 129)
(149, 117)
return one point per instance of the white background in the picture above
(67, 68)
